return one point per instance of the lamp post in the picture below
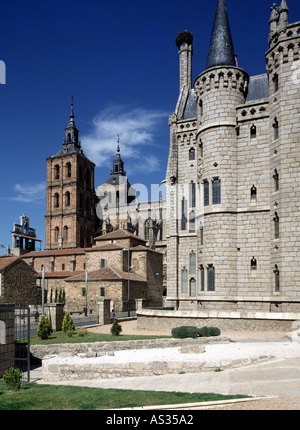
(128, 288)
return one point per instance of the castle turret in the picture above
(184, 41)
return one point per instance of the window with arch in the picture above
(276, 83)
(147, 228)
(202, 277)
(68, 198)
(253, 132)
(276, 226)
(206, 192)
(192, 287)
(66, 233)
(56, 171)
(210, 278)
(56, 200)
(253, 193)
(56, 234)
(192, 263)
(184, 281)
(183, 214)
(216, 191)
(192, 154)
(69, 137)
(276, 128)
(276, 180)
(192, 221)
(192, 194)
(277, 278)
(69, 170)
(253, 264)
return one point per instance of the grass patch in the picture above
(34, 396)
(61, 337)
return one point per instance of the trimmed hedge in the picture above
(185, 331)
(193, 332)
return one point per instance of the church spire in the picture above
(221, 51)
(71, 131)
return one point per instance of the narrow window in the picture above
(192, 221)
(102, 263)
(253, 264)
(210, 278)
(147, 228)
(253, 132)
(192, 194)
(183, 214)
(62, 267)
(102, 291)
(202, 277)
(192, 154)
(69, 170)
(276, 180)
(56, 200)
(56, 171)
(276, 226)
(56, 233)
(276, 128)
(192, 263)
(216, 191)
(66, 233)
(277, 278)
(184, 281)
(192, 287)
(68, 198)
(253, 193)
(206, 193)
(201, 235)
(276, 83)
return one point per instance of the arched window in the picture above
(192, 221)
(277, 278)
(69, 137)
(56, 171)
(183, 214)
(210, 278)
(56, 200)
(202, 277)
(276, 128)
(68, 198)
(69, 170)
(66, 233)
(192, 263)
(56, 234)
(206, 192)
(192, 287)
(253, 264)
(276, 180)
(253, 132)
(253, 193)
(276, 226)
(184, 281)
(192, 194)
(192, 154)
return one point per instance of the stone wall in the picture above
(7, 337)
(225, 321)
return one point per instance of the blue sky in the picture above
(120, 62)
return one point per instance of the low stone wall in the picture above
(152, 319)
(58, 369)
(41, 351)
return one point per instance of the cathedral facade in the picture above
(233, 176)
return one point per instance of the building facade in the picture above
(233, 176)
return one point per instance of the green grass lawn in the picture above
(32, 396)
(61, 337)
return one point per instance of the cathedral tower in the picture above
(71, 199)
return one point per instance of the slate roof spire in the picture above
(221, 51)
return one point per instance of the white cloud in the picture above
(135, 128)
(29, 193)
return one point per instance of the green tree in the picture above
(44, 328)
(68, 323)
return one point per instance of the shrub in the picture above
(44, 328)
(208, 331)
(82, 332)
(185, 331)
(12, 378)
(68, 323)
(116, 328)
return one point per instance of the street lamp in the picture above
(129, 267)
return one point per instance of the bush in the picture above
(208, 331)
(68, 323)
(116, 328)
(82, 332)
(185, 331)
(44, 328)
(12, 378)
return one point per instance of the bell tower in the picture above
(71, 198)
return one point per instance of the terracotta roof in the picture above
(107, 274)
(50, 252)
(60, 274)
(106, 247)
(119, 234)
(144, 248)
(7, 260)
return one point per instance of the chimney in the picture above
(184, 42)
